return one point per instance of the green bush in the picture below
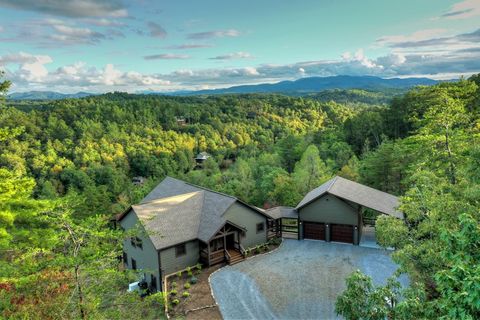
(179, 274)
(173, 292)
(175, 302)
(187, 285)
(257, 249)
(190, 273)
(185, 294)
(193, 280)
(174, 284)
(198, 266)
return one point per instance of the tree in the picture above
(310, 171)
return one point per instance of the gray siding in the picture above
(170, 263)
(247, 218)
(147, 257)
(330, 209)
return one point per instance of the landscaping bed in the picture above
(199, 303)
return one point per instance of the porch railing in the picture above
(227, 256)
(240, 248)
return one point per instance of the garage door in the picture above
(314, 230)
(342, 233)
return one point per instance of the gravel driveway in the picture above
(300, 280)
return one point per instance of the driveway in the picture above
(300, 280)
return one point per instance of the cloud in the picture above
(156, 30)
(166, 56)
(71, 9)
(31, 68)
(234, 55)
(428, 45)
(463, 10)
(421, 35)
(53, 33)
(102, 22)
(189, 46)
(214, 34)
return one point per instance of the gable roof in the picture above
(357, 193)
(176, 211)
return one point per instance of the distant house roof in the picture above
(282, 212)
(357, 193)
(202, 156)
(176, 211)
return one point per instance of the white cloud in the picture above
(77, 8)
(464, 10)
(167, 56)
(234, 55)
(416, 36)
(214, 34)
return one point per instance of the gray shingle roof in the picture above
(176, 211)
(282, 212)
(358, 193)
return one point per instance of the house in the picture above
(180, 224)
(138, 181)
(333, 212)
(201, 157)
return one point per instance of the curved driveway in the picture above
(300, 280)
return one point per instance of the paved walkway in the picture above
(300, 280)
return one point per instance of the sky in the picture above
(140, 45)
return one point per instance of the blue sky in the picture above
(99, 46)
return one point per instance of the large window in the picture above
(153, 283)
(125, 258)
(260, 227)
(134, 264)
(180, 250)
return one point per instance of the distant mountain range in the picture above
(317, 84)
(46, 95)
(296, 87)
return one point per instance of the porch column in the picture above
(208, 251)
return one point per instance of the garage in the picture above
(342, 233)
(314, 230)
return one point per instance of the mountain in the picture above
(297, 87)
(317, 84)
(46, 95)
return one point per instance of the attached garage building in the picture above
(333, 211)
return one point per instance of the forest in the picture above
(66, 169)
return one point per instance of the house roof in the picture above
(357, 193)
(176, 211)
(202, 156)
(282, 212)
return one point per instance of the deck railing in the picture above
(227, 256)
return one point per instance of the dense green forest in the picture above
(66, 168)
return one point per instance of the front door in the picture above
(230, 241)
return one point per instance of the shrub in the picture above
(189, 273)
(173, 292)
(179, 274)
(175, 302)
(174, 284)
(185, 294)
(198, 266)
(187, 285)
(193, 280)
(257, 249)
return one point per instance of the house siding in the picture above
(147, 257)
(330, 209)
(247, 218)
(170, 263)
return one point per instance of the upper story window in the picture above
(125, 258)
(136, 242)
(134, 264)
(180, 250)
(260, 227)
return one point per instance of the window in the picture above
(139, 242)
(180, 250)
(260, 227)
(125, 258)
(134, 264)
(136, 242)
(153, 283)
